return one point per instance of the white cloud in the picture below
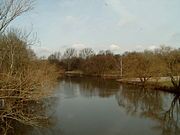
(152, 47)
(125, 17)
(114, 47)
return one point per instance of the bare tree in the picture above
(70, 53)
(139, 65)
(11, 9)
(171, 58)
(101, 52)
(55, 56)
(23, 82)
(86, 53)
(119, 63)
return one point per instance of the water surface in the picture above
(92, 106)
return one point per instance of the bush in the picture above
(24, 82)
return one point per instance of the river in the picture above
(93, 106)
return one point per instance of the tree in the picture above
(119, 63)
(68, 55)
(105, 52)
(139, 65)
(109, 52)
(55, 57)
(99, 64)
(171, 59)
(24, 82)
(174, 68)
(15, 53)
(86, 53)
(11, 9)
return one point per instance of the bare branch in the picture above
(11, 9)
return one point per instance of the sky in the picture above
(118, 25)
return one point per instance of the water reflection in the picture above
(47, 107)
(150, 104)
(139, 101)
(90, 87)
(138, 105)
(136, 101)
(170, 119)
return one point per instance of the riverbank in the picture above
(78, 73)
(162, 84)
(156, 83)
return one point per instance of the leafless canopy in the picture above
(86, 53)
(11, 9)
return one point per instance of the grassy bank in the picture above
(163, 84)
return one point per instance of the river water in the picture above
(92, 106)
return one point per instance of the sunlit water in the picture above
(91, 106)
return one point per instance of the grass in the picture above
(166, 83)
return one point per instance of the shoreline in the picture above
(154, 85)
(151, 85)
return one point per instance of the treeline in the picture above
(85, 60)
(161, 62)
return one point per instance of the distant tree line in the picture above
(161, 62)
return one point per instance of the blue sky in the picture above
(119, 25)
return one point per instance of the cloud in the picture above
(153, 47)
(114, 47)
(125, 17)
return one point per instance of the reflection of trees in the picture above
(149, 104)
(140, 100)
(94, 87)
(68, 88)
(170, 118)
(31, 112)
(47, 125)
